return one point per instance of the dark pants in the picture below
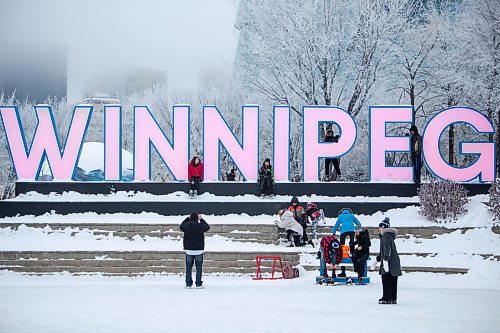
(344, 235)
(198, 260)
(336, 165)
(266, 186)
(389, 287)
(195, 183)
(297, 239)
(358, 262)
(304, 233)
(416, 161)
(323, 271)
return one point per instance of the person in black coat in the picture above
(194, 228)
(360, 250)
(416, 154)
(390, 265)
(329, 137)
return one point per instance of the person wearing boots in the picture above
(195, 175)
(292, 227)
(346, 221)
(299, 214)
(416, 154)
(360, 251)
(194, 228)
(266, 179)
(390, 266)
(329, 137)
(330, 252)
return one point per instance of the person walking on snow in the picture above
(194, 228)
(390, 267)
(195, 175)
(292, 227)
(299, 214)
(346, 221)
(416, 154)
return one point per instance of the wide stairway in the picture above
(86, 246)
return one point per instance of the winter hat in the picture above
(385, 223)
(267, 160)
(413, 128)
(358, 228)
(294, 201)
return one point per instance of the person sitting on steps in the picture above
(300, 216)
(266, 179)
(292, 227)
(195, 175)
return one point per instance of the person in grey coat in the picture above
(390, 266)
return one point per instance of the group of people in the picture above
(266, 173)
(331, 253)
(295, 220)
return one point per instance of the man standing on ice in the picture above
(194, 228)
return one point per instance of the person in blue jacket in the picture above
(346, 221)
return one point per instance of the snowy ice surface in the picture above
(62, 303)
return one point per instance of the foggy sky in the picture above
(105, 39)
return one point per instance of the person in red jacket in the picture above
(330, 253)
(195, 175)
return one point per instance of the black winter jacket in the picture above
(363, 239)
(194, 238)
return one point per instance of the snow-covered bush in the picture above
(442, 200)
(494, 201)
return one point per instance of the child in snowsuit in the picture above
(266, 179)
(314, 215)
(330, 253)
(195, 175)
(360, 251)
(292, 227)
(299, 214)
(346, 220)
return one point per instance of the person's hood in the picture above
(345, 211)
(389, 231)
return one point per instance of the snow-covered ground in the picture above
(477, 216)
(60, 303)
(72, 196)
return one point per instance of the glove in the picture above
(385, 264)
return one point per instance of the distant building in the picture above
(33, 71)
(144, 78)
(95, 132)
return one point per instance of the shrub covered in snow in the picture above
(494, 201)
(442, 200)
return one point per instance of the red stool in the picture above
(259, 262)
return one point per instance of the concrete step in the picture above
(168, 208)
(265, 233)
(238, 188)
